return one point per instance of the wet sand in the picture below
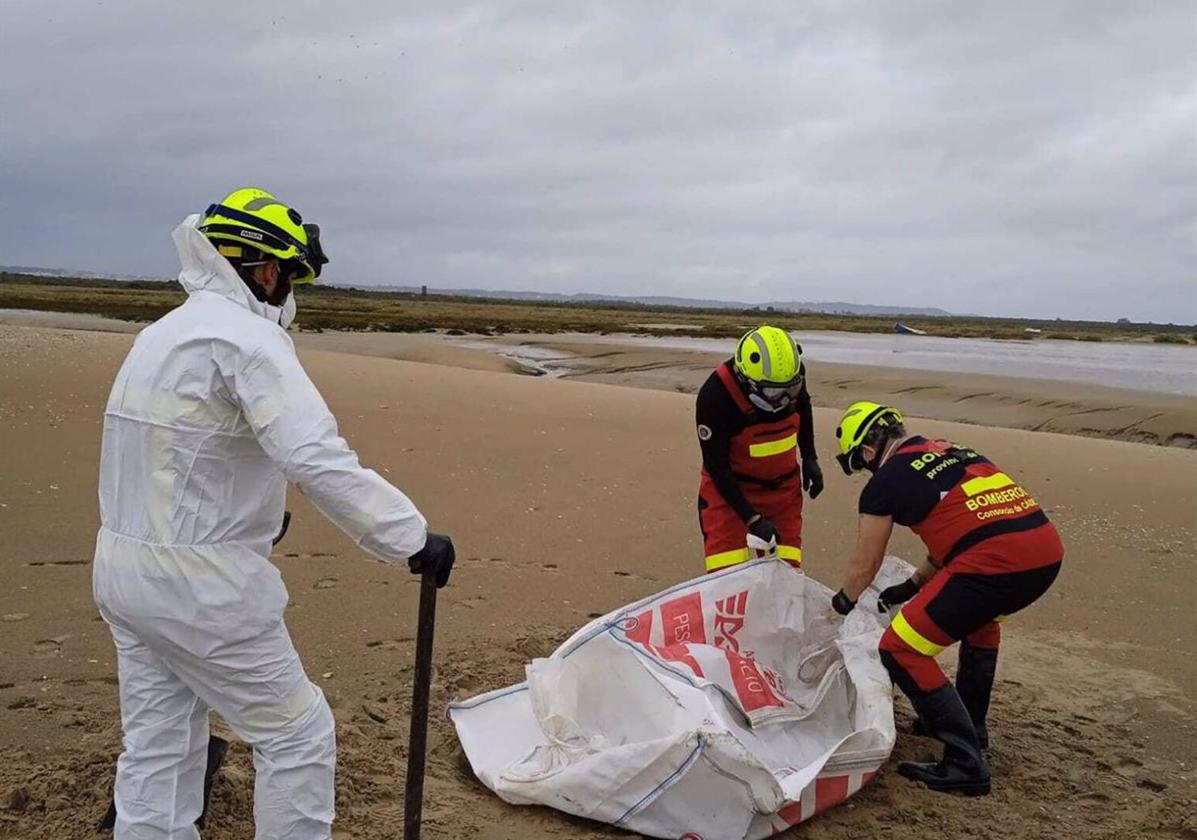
(567, 499)
(1040, 405)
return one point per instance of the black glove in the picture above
(436, 556)
(891, 596)
(763, 529)
(841, 604)
(812, 477)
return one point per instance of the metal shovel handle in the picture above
(417, 742)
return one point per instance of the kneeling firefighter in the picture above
(991, 552)
(754, 419)
(210, 416)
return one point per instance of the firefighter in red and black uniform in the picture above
(991, 552)
(754, 419)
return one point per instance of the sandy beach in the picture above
(568, 497)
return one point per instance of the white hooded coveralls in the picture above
(210, 416)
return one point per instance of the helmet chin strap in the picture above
(872, 465)
(882, 452)
(282, 288)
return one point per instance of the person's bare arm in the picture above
(872, 537)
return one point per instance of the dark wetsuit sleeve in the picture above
(806, 425)
(876, 497)
(714, 411)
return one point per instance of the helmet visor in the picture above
(315, 253)
(297, 272)
(780, 396)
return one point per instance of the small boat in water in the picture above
(902, 329)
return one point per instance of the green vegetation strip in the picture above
(330, 308)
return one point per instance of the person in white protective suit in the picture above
(210, 416)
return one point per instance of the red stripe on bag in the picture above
(640, 627)
(829, 791)
(682, 620)
(751, 686)
(792, 813)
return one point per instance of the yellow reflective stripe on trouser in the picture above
(773, 447)
(726, 558)
(789, 552)
(990, 482)
(913, 637)
(743, 555)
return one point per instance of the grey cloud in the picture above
(1013, 158)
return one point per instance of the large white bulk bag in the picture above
(730, 706)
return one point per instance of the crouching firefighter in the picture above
(754, 419)
(991, 552)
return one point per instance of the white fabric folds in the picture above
(730, 706)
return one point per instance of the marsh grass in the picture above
(329, 308)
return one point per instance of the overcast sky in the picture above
(1016, 158)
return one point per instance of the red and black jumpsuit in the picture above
(749, 466)
(995, 549)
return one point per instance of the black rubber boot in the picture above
(962, 768)
(974, 682)
(217, 748)
(975, 673)
(918, 729)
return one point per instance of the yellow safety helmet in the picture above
(769, 363)
(860, 419)
(254, 218)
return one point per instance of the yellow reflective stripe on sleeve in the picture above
(990, 482)
(773, 447)
(726, 558)
(913, 637)
(789, 552)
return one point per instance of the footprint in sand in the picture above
(325, 583)
(487, 561)
(622, 573)
(552, 567)
(389, 644)
(1125, 765)
(48, 647)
